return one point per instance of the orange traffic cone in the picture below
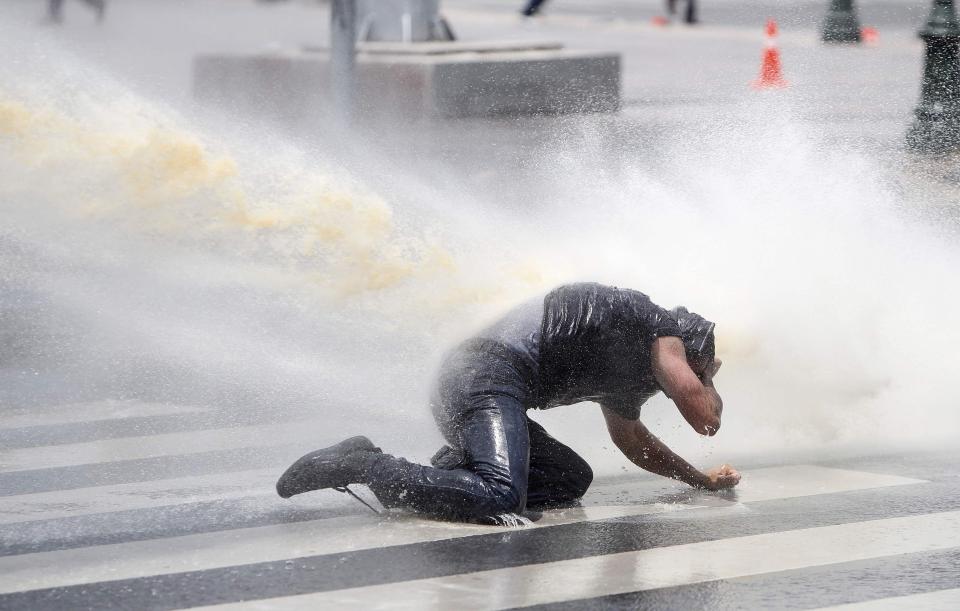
(771, 76)
(870, 36)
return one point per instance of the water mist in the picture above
(147, 255)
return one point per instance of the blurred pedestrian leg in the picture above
(532, 8)
(690, 16)
(55, 9)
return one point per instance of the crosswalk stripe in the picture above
(140, 495)
(948, 600)
(261, 544)
(595, 576)
(760, 484)
(345, 534)
(792, 481)
(90, 412)
(170, 444)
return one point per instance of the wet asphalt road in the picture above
(159, 524)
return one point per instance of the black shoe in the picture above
(333, 467)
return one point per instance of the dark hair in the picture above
(696, 332)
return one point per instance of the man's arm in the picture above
(696, 398)
(649, 453)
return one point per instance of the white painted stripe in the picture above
(758, 485)
(89, 412)
(620, 573)
(261, 544)
(789, 481)
(170, 444)
(139, 495)
(352, 533)
(948, 600)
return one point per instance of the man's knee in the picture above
(504, 493)
(507, 499)
(582, 479)
(573, 483)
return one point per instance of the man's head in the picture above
(696, 332)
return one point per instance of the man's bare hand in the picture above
(721, 478)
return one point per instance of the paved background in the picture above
(676, 79)
(670, 74)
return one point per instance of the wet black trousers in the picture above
(497, 461)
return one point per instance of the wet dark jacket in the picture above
(586, 342)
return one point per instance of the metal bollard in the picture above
(936, 128)
(841, 23)
(343, 37)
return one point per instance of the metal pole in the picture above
(936, 128)
(841, 23)
(343, 37)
